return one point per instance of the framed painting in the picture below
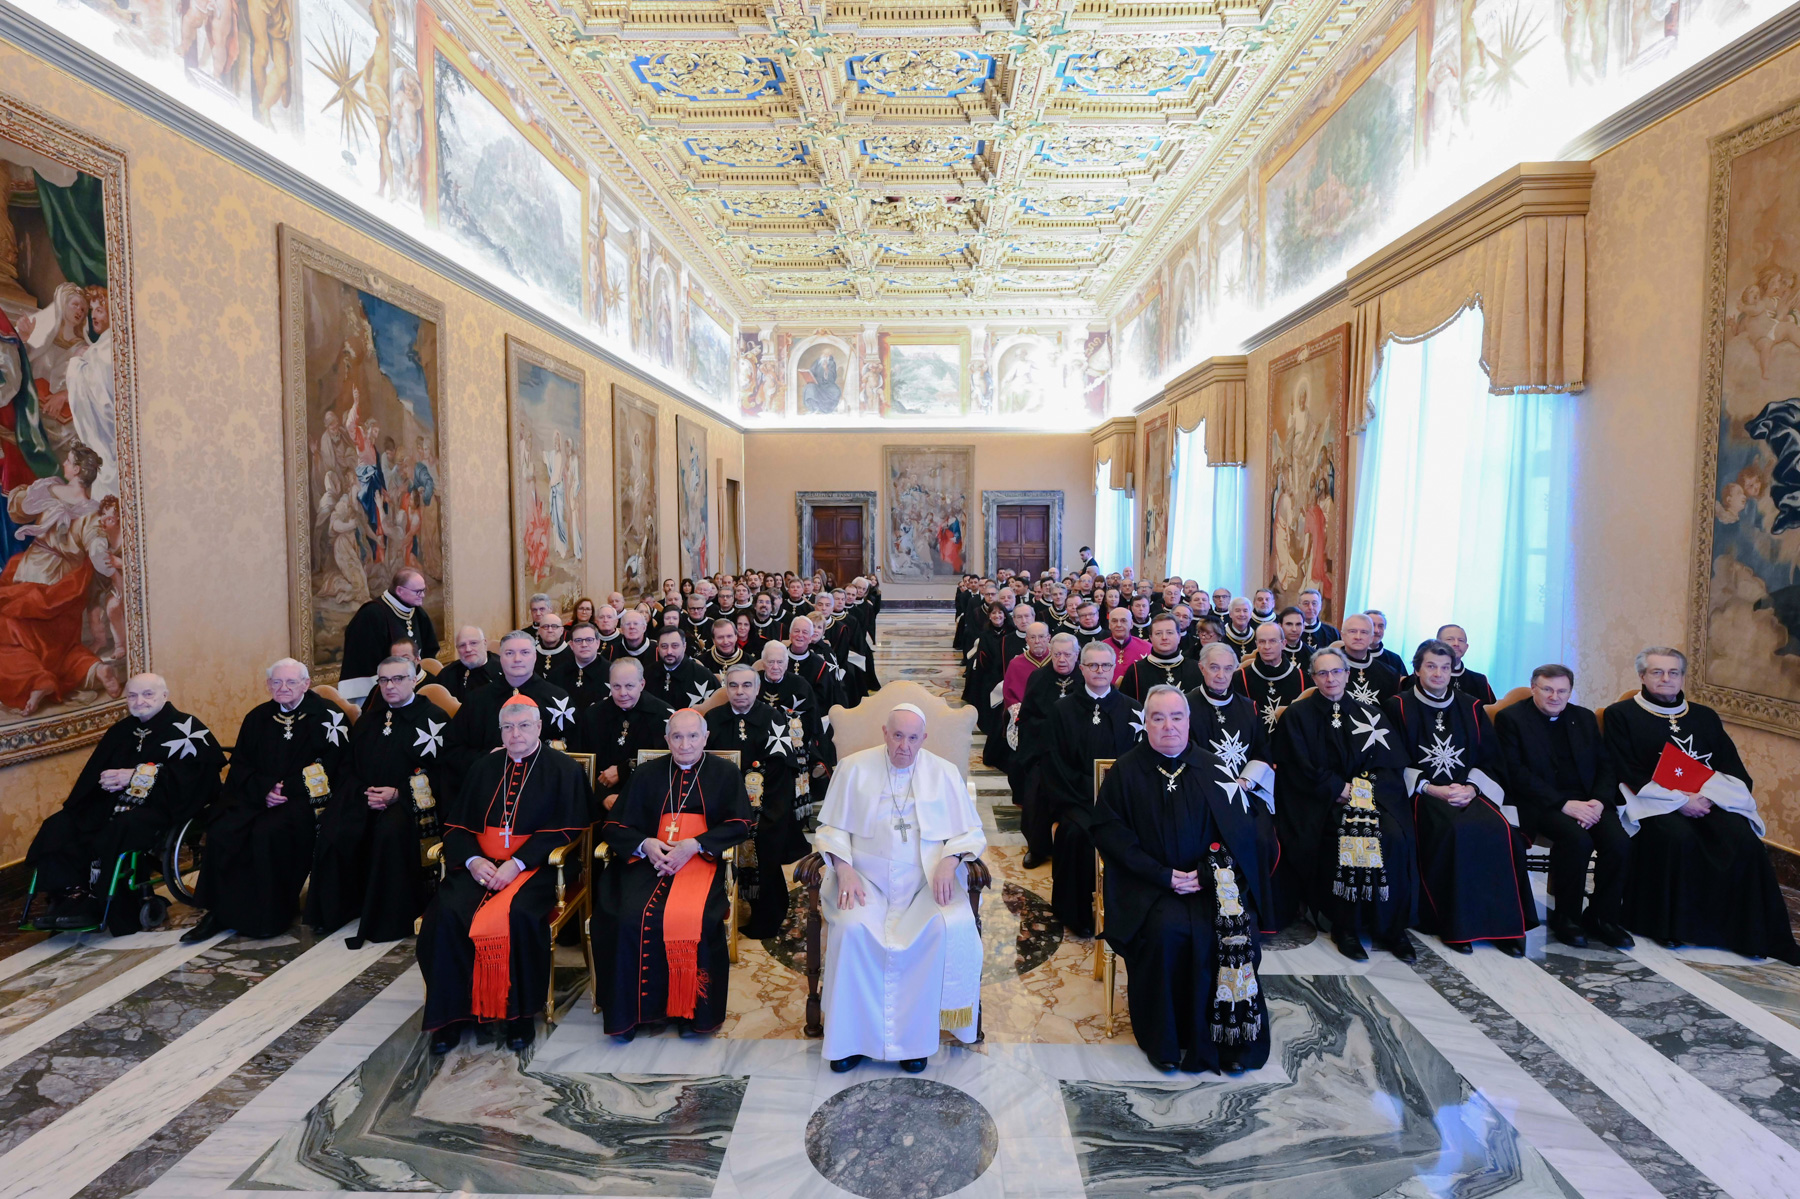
(362, 389)
(1743, 603)
(637, 552)
(691, 498)
(708, 349)
(1309, 390)
(75, 625)
(1155, 493)
(925, 373)
(928, 490)
(546, 404)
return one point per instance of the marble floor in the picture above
(139, 1065)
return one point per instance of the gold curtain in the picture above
(1518, 248)
(1216, 391)
(1114, 442)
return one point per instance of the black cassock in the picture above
(769, 757)
(1371, 682)
(822, 672)
(1270, 689)
(1471, 860)
(615, 735)
(587, 685)
(1228, 729)
(1082, 730)
(95, 825)
(544, 801)
(1152, 671)
(1703, 880)
(1314, 760)
(556, 665)
(372, 631)
(257, 857)
(1145, 831)
(475, 731)
(367, 863)
(797, 699)
(686, 686)
(1043, 689)
(459, 679)
(628, 930)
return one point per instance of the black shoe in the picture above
(1463, 947)
(354, 942)
(1034, 860)
(913, 1065)
(1167, 1067)
(1567, 931)
(1231, 1067)
(626, 1037)
(1613, 935)
(1350, 946)
(520, 1033)
(844, 1065)
(1401, 947)
(446, 1038)
(1512, 947)
(208, 926)
(75, 914)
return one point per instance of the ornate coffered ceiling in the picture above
(915, 161)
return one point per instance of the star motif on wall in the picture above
(430, 738)
(193, 734)
(1371, 729)
(1443, 756)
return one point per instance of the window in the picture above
(1462, 508)
(1113, 539)
(1206, 522)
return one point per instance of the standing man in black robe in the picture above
(474, 667)
(1561, 779)
(618, 728)
(1047, 686)
(808, 725)
(484, 947)
(151, 772)
(1272, 679)
(1237, 629)
(1096, 721)
(1347, 842)
(634, 640)
(1187, 883)
(1165, 665)
(555, 664)
(664, 894)
(395, 613)
(588, 673)
(1700, 873)
(259, 846)
(1383, 654)
(812, 661)
(1313, 629)
(677, 679)
(1471, 859)
(1469, 682)
(1371, 682)
(384, 802)
(768, 758)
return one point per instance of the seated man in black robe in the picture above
(588, 675)
(808, 726)
(474, 667)
(555, 663)
(1348, 847)
(1271, 679)
(1700, 873)
(259, 846)
(1096, 721)
(1223, 723)
(811, 659)
(1313, 629)
(1164, 665)
(1043, 689)
(475, 732)
(618, 728)
(384, 802)
(484, 947)
(1187, 880)
(769, 759)
(1471, 859)
(1561, 779)
(675, 678)
(664, 897)
(724, 652)
(153, 771)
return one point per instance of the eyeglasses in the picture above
(385, 679)
(1329, 672)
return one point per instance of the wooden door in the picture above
(837, 538)
(1022, 538)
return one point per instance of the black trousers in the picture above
(1571, 847)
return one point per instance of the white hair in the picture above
(277, 664)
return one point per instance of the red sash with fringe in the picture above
(684, 915)
(491, 931)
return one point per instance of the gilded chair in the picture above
(1106, 958)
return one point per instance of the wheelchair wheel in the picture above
(181, 858)
(154, 912)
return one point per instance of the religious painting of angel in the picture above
(637, 551)
(1745, 623)
(363, 391)
(71, 600)
(1308, 392)
(691, 499)
(928, 489)
(545, 406)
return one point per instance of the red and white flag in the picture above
(1681, 771)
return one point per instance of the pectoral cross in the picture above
(387, 730)
(140, 734)
(1096, 713)
(287, 726)
(674, 827)
(902, 826)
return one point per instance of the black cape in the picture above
(556, 665)
(823, 673)
(1371, 683)
(587, 685)
(379, 623)
(1082, 731)
(1270, 692)
(459, 679)
(615, 736)
(770, 759)
(1150, 671)
(476, 730)
(686, 686)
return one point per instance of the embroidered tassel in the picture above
(1361, 872)
(684, 977)
(955, 1018)
(493, 978)
(1236, 1017)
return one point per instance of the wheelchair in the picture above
(136, 874)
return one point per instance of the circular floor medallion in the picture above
(901, 1138)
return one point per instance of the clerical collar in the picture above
(1164, 662)
(762, 624)
(1375, 650)
(641, 646)
(559, 648)
(1171, 759)
(1430, 700)
(285, 710)
(1144, 626)
(1678, 708)
(1352, 662)
(1096, 696)
(1456, 672)
(1292, 649)
(1313, 627)
(407, 702)
(1036, 663)
(1121, 644)
(1288, 666)
(612, 636)
(745, 712)
(1217, 701)
(588, 663)
(516, 760)
(1262, 616)
(1089, 629)
(798, 657)
(403, 611)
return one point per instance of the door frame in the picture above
(993, 501)
(806, 501)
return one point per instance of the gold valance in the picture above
(1216, 391)
(1113, 442)
(1517, 247)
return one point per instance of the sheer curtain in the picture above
(1462, 508)
(1114, 546)
(1206, 521)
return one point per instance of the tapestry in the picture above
(1154, 491)
(691, 500)
(637, 554)
(1308, 392)
(546, 422)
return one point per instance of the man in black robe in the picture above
(586, 682)
(808, 726)
(618, 728)
(635, 641)
(1561, 779)
(395, 613)
(1383, 654)
(1272, 679)
(664, 898)
(1096, 721)
(696, 625)
(1293, 636)
(724, 652)
(484, 946)
(1470, 682)
(1187, 884)
(1223, 723)
(1313, 629)
(475, 732)
(606, 625)
(1165, 665)
(763, 625)
(768, 758)
(1238, 630)
(675, 678)
(1471, 859)
(1348, 849)
(1371, 682)
(1700, 873)
(555, 664)
(153, 771)
(384, 803)
(474, 667)
(259, 846)
(812, 661)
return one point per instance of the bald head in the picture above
(145, 695)
(1037, 639)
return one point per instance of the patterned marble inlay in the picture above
(55, 981)
(1370, 1109)
(480, 1119)
(1771, 986)
(901, 1138)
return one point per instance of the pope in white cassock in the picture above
(902, 953)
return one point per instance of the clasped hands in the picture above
(1696, 807)
(853, 894)
(115, 780)
(1585, 812)
(380, 798)
(495, 878)
(1184, 882)
(1457, 795)
(666, 857)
